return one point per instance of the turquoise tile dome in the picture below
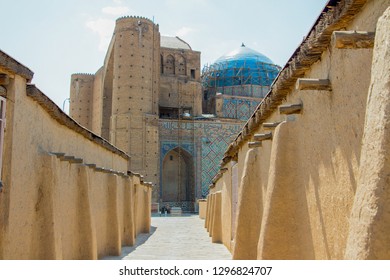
(242, 66)
(244, 54)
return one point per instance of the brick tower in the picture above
(135, 92)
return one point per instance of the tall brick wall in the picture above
(97, 103)
(81, 91)
(135, 92)
(107, 95)
(183, 79)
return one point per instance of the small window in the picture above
(2, 127)
(170, 157)
(193, 73)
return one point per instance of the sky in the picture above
(56, 38)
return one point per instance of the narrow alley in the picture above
(175, 238)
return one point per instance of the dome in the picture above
(242, 66)
(244, 54)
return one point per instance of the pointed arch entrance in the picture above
(178, 179)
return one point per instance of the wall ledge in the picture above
(335, 16)
(15, 67)
(57, 114)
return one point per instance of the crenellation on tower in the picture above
(133, 17)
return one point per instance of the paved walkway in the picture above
(175, 238)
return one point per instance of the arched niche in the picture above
(169, 65)
(181, 65)
(178, 176)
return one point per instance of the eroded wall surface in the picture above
(370, 220)
(316, 183)
(66, 192)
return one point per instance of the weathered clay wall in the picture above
(142, 208)
(301, 185)
(202, 208)
(79, 213)
(226, 203)
(370, 220)
(214, 217)
(75, 205)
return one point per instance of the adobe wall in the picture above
(226, 203)
(55, 206)
(79, 213)
(301, 185)
(370, 221)
(142, 208)
(202, 208)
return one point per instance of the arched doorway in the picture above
(178, 179)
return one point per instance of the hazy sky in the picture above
(57, 38)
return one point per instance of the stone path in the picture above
(175, 238)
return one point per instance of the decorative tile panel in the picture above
(206, 141)
(238, 108)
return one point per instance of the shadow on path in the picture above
(175, 238)
(141, 239)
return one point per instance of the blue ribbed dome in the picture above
(242, 66)
(244, 54)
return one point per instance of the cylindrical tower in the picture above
(81, 93)
(136, 66)
(134, 121)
